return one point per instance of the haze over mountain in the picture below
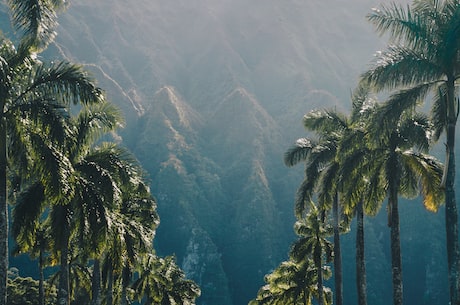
(214, 92)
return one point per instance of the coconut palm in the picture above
(29, 229)
(130, 237)
(423, 59)
(400, 170)
(314, 244)
(79, 276)
(100, 219)
(92, 176)
(292, 283)
(321, 174)
(97, 174)
(359, 195)
(161, 281)
(32, 99)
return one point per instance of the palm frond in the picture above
(52, 166)
(328, 185)
(325, 121)
(439, 111)
(351, 177)
(429, 171)
(26, 215)
(375, 190)
(303, 197)
(299, 151)
(67, 83)
(361, 101)
(415, 131)
(408, 185)
(400, 67)
(450, 41)
(118, 161)
(36, 19)
(401, 23)
(46, 115)
(93, 121)
(388, 116)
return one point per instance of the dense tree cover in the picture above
(384, 153)
(423, 62)
(25, 290)
(80, 204)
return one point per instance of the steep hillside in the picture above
(214, 92)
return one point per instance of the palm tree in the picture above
(161, 281)
(324, 165)
(313, 243)
(400, 170)
(100, 219)
(292, 283)
(321, 174)
(359, 195)
(97, 173)
(424, 58)
(32, 98)
(29, 228)
(79, 276)
(131, 235)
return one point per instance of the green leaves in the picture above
(37, 20)
(162, 282)
(298, 280)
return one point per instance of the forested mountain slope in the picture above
(214, 92)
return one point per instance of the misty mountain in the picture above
(214, 92)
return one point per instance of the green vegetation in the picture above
(80, 204)
(381, 151)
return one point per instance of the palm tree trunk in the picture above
(3, 215)
(96, 283)
(360, 261)
(124, 285)
(318, 259)
(41, 286)
(109, 297)
(396, 262)
(451, 205)
(338, 274)
(64, 288)
(320, 284)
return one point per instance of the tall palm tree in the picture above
(29, 228)
(314, 244)
(131, 235)
(401, 170)
(292, 283)
(359, 195)
(321, 174)
(97, 172)
(32, 96)
(161, 281)
(79, 276)
(98, 220)
(424, 58)
(324, 164)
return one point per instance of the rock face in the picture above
(214, 92)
